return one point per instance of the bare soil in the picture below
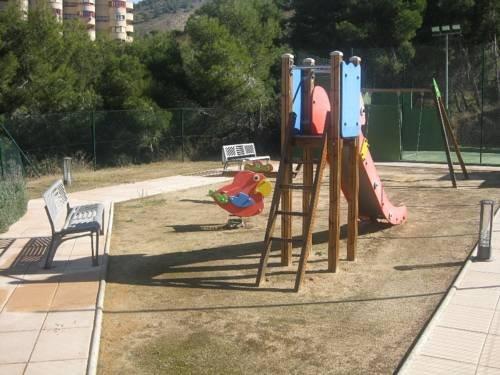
(182, 300)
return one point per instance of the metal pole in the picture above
(182, 134)
(446, 71)
(92, 125)
(67, 171)
(482, 111)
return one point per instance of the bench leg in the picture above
(102, 227)
(54, 243)
(96, 259)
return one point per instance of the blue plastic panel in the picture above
(351, 90)
(297, 100)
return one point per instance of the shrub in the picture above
(13, 201)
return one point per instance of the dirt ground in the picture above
(182, 300)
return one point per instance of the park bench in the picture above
(79, 221)
(240, 153)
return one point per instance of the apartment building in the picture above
(102, 17)
(83, 10)
(115, 18)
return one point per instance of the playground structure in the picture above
(313, 120)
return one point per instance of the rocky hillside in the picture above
(163, 15)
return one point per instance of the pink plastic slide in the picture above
(373, 202)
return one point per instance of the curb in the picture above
(96, 332)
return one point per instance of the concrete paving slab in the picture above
(62, 344)
(490, 356)
(424, 365)
(69, 319)
(21, 321)
(454, 344)
(75, 296)
(31, 298)
(467, 318)
(12, 369)
(476, 279)
(495, 325)
(73, 367)
(16, 347)
(5, 293)
(481, 298)
(482, 370)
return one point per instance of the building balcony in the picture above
(119, 35)
(130, 5)
(130, 17)
(130, 28)
(129, 39)
(88, 7)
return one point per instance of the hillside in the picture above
(163, 15)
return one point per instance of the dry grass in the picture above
(85, 179)
(180, 300)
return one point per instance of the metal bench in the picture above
(240, 153)
(79, 221)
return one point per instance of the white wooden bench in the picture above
(240, 153)
(79, 221)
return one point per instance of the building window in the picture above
(118, 4)
(120, 17)
(118, 29)
(87, 13)
(102, 18)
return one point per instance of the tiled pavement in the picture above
(463, 337)
(47, 316)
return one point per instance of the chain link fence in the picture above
(114, 138)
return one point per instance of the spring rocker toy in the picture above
(243, 197)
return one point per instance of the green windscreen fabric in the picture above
(383, 132)
(10, 159)
(430, 138)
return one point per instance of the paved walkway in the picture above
(463, 337)
(47, 316)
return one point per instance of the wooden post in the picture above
(335, 160)
(446, 145)
(286, 198)
(308, 167)
(453, 139)
(353, 203)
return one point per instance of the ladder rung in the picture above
(296, 187)
(290, 240)
(291, 213)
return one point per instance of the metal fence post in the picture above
(482, 108)
(1, 161)
(92, 126)
(182, 134)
